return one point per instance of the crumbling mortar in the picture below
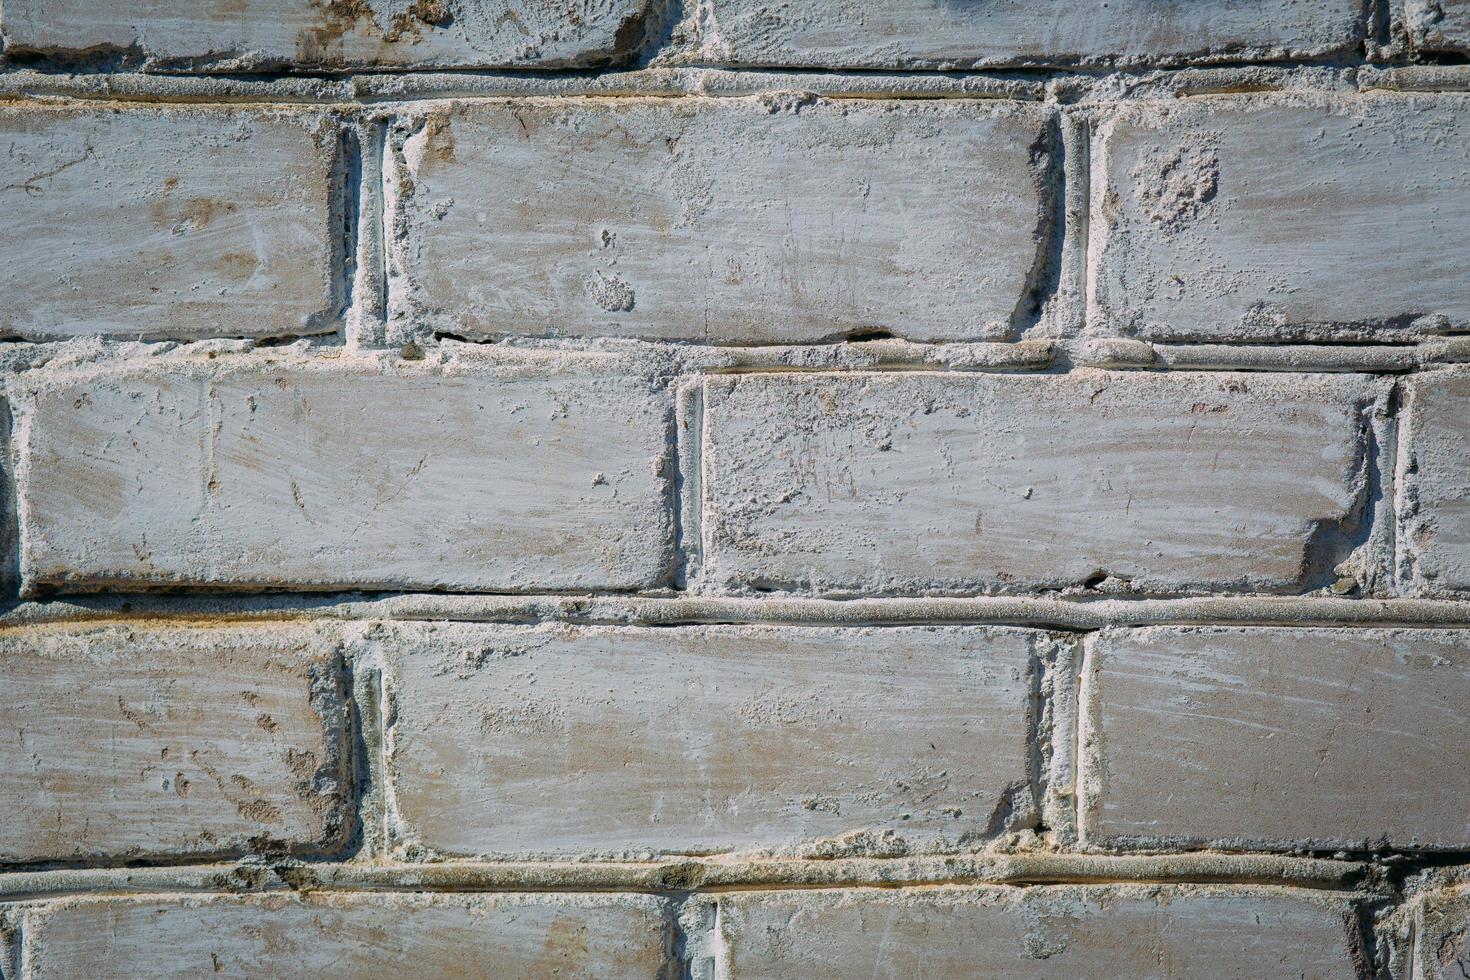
(1078, 614)
(688, 481)
(1405, 500)
(397, 835)
(368, 286)
(372, 798)
(705, 876)
(1087, 755)
(1058, 86)
(1349, 548)
(9, 503)
(1041, 289)
(12, 943)
(1067, 316)
(1052, 738)
(343, 226)
(1387, 433)
(20, 358)
(702, 950)
(674, 558)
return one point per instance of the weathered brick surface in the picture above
(1335, 738)
(1434, 494)
(236, 35)
(308, 474)
(9, 943)
(595, 740)
(754, 220)
(169, 222)
(902, 521)
(936, 34)
(919, 482)
(1283, 217)
(1438, 25)
(1064, 932)
(360, 936)
(122, 743)
(1438, 944)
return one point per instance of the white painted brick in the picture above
(361, 936)
(1283, 217)
(901, 483)
(169, 222)
(1434, 489)
(244, 35)
(324, 474)
(1438, 25)
(760, 220)
(606, 740)
(943, 34)
(1276, 738)
(1063, 932)
(121, 742)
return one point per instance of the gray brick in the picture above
(122, 742)
(1434, 489)
(244, 35)
(728, 220)
(310, 474)
(1278, 218)
(1276, 738)
(1064, 932)
(169, 222)
(901, 483)
(1438, 25)
(616, 741)
(940, 34)
(361, 936)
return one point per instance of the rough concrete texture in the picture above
(368, 936)
(619, 741)
(302, 473)
(1067, 932)
(773, 219)
(902, 483)
(1335, 739)
(1434, 485)
(1282, 217)
(126, 742)
(1437, 944)
(169, 222)
(251, 35)
(1438, 25)
(976, 33)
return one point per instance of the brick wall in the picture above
(735, 488)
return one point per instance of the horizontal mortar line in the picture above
(696, 874)
(1033, 70)
(1428, 352)
(1036, 73)
(892, 354)
(371, 88)
(898, 353)
(816, 354)
(1117, 353)
(1082, 613)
